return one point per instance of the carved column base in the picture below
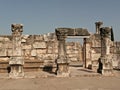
(63, 70)
(107, 69)
(16, 71)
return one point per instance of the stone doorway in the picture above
(62, 60)
(74, 50)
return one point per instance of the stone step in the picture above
(4, 66)
(32, 65)
(29, 66)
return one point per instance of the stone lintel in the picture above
(72, 31)
(77, 37)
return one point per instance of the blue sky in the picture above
(43, 16)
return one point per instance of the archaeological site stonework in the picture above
(53, 53)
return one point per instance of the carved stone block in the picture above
(96, 56)
(9, 52)
(39, 45)
(3, 52)
(41, 51)
(33, 52)
(16, 60)
(49, 57)
(26, 46)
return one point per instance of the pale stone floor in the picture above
(80, 79)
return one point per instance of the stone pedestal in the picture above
(107, 65)
(62, 69)
(16, 66)
(16, 71)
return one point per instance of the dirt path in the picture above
(74, 83)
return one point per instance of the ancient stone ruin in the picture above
(16, 61)
(52, 53)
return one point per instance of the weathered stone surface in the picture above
(17, 53)
(96, 56)
(39, 45)
(45, 48)
(96, 43)
(72, 51)
(72, 55)
(74, 31)
(116, 61)
(16, 60)
(38, 37)
(9, 52)
(56, 50)
(63, 70)
(2, 38)
(33, 52)
(30, 40)
(27, 53)
(41, 51)
(49, 57)
(88, 47)
(3, 52)
(26, 46)
(95, 63)
(4, 59)
(8, 45)
(98, 26)
(49, 37)
(50, 51)
(24, 38)
(73, 59)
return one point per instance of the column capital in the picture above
(105, 32)
(16, 29)
(99, 23)
(61, 34)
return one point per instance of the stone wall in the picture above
(42, 50)
(74, 51)
(95, 52)
(38, 50)
(40, 47)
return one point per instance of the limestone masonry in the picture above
(52, 52)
